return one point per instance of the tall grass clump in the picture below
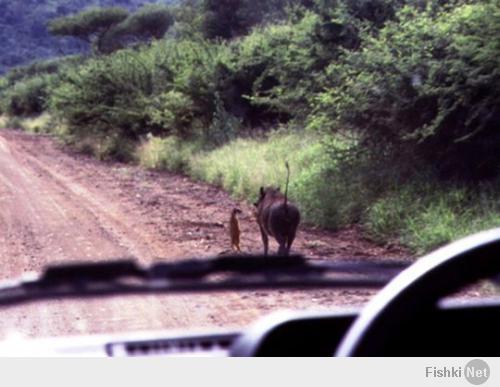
(425, 216)
(37, 124)
(168, 153)
(244, 165)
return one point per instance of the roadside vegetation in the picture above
(387, 111)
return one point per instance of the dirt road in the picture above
(56, 206)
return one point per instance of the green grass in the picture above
(12, 122)
(244, 165)
(422, 215)
(3, 121)
(37, 124)
(426, 216)
(34, 124)
(168, 153)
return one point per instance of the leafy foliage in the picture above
(147, 23)
(396, 97)
(26, 98)
(270, 68)
(167, 89)
(105, 96)
(90, 25)
(227, 19)
(424, 90)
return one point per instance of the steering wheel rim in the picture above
(419, 288)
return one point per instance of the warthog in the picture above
(277, 217)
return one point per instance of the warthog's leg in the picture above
(289, 241)
(265, 240)
(282, 250)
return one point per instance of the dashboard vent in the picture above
(214, 345)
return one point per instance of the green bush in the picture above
(36, 68)
(228, 19)
(149, 21)
(167, 89)
(27, 97)
(13, 123)
(224, 126)
(424, 89)
(269, 71)
(106, 96)
(173, 111)
(192, 68)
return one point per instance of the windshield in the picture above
(341, 131)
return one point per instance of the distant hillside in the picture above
(23, 30)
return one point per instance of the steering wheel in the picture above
(390, 316)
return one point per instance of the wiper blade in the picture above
(197, 275)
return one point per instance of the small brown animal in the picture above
(234, 230)
(277, 217)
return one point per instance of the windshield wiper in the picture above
(196, 275)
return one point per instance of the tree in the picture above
(221, 19)
(228, 19)
(149, 22)
(90, 25)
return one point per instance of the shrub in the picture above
(191, 70)
(13, 123)
(149, 22)
(224, 126)
(106, 96)
(26, 97)
(166, 89)
(173, 111)
(424, 89)
(169, 153)
(227, 19)
(36, 68)
(269, 71)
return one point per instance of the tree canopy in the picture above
(90, 25)
(149, 22)
(107, 29)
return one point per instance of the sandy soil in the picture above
(56, 206)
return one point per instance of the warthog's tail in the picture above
(286, 187)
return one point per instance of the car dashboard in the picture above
(457, 329)
(410, 316)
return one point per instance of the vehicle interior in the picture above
(251, 178)
(408, 317)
